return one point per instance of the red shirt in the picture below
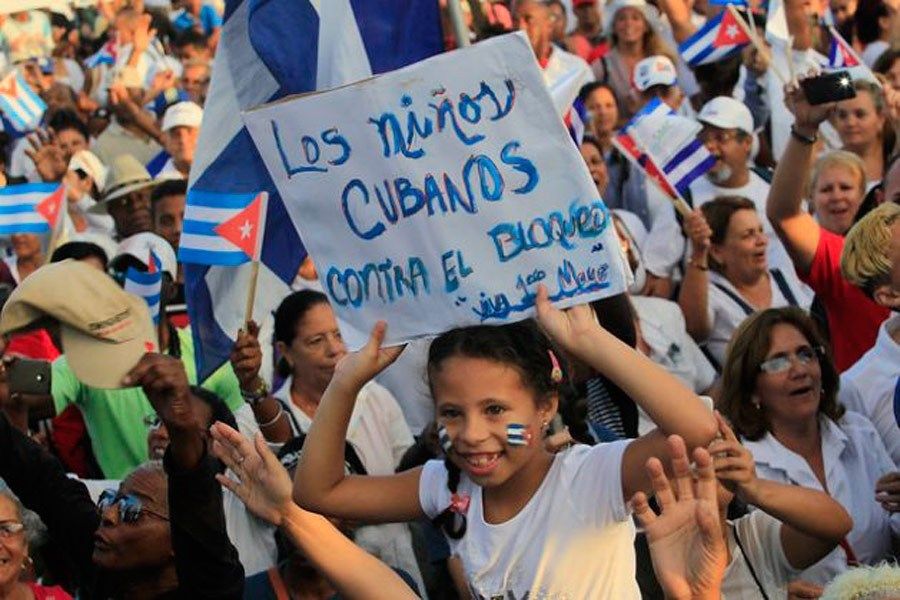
(853, 317)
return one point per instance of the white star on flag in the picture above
(731, 31)
(246, 228)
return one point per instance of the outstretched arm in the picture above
(687, 545)
(674, 408)
(795, 227)
(265, 488)
(812, 523)
(320, 484)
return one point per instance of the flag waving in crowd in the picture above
(20, 105)
(31, 208)
(223, 229)
(721, 37)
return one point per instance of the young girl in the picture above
(525, 523)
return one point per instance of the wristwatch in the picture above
(257, 394)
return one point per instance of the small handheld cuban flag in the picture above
(840, 54)
(721, 37)
(577, 120)
(22, 108)
(31, 208)
(147, 284)
(223, 229)
(106, 55)
(517, 434)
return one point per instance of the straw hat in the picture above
(125, 175)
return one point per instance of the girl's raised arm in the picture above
(674, 408)
(320, 484)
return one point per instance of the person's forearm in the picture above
(809, 511)
(146, 123)
(693, 299)
(786, 192)
(321, 466)
(187, 446)
(679, 15)
(351, 570)
(674, 408)
(272, 420)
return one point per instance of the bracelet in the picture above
(256, 396)
(804, 139)
(275, 418)
(697, 265)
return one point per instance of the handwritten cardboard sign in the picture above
(441, 194)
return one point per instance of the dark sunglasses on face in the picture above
(130, 506)
(782, 362)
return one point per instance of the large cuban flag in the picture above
(270, 49)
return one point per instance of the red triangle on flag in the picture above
(51, 207)
(243, 229)
(730, 32)
(848, 59)
(8, 87)
(151, 263)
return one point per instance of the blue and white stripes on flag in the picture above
(147, 284)
(270, 49)
(689, 163)
(19, 208)
(718, 39)
(106, 55)
(22, 108)
(578, 119)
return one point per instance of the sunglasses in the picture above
(152, 422)
(782, 362)
(10, 528)
(130, 506)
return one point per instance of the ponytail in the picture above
(451, 515)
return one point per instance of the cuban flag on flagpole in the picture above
(270, 49)
(718, 39)
(31, 208)
(147, 284)
(840, 54)
(22, 108)
(106, 55)
(223, 229)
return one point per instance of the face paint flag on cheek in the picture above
(444, 439)
(517, 434)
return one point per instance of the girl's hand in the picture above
(358, 368)
(733, 463)
(264, 485)
(686, 541)
(570, 328)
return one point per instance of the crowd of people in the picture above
(727, 428)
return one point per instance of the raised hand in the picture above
(46, 155)
(246, 357)
(569, 328)
(165, 383)
(687, 545)
(699, 232)
(357, 368)
(733, 463)
(263, 484)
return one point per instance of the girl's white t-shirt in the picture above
(574, 538)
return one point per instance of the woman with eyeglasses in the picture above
(780, 394)
(728, 278)
(14, 557)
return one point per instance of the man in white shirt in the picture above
(564, 73)
(871, 261)
(180, 130)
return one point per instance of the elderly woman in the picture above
(633, 39)
(836, 191)
(728, 276)
(860, 122)
(780, 392)
(14, 558)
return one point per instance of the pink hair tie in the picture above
(556, 374)
(459, 503)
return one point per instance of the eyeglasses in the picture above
(10, 528)
(782, 362)
(718, 136)
(130, 506)
(152, 422)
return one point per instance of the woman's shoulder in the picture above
(857, 426)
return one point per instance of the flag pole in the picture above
(681, 205)
(757, 42)
(460, 31)
(251, 291)
(257, 256)
(792, 68)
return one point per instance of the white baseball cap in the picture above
(140, 245)
(609, 12)
(182, 114)
(727, 113)
(654, 70)
(88, 162)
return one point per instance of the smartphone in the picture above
(828, 87)
(26, 376)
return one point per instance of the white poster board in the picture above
(441, 194)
